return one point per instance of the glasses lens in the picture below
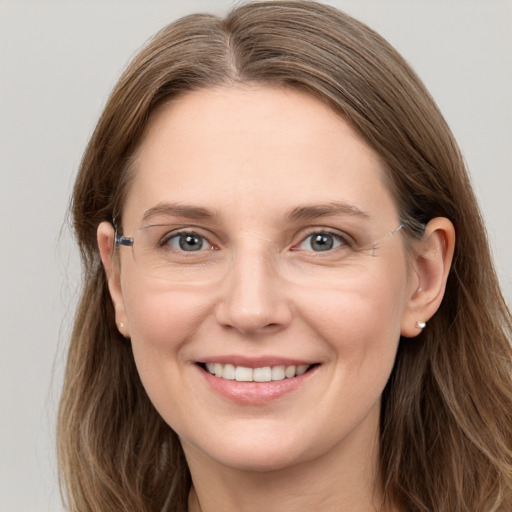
(187, 256)
(165, 253)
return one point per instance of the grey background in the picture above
(59, 60)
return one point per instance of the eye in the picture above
(187, 241)
(321, 241)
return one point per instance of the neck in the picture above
(347, 483)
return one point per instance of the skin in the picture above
(251, 155)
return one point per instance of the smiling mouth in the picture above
(263, 374)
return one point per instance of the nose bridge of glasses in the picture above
(253, 295)
(254, 263)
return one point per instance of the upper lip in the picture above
(256, 362)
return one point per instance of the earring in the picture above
(121, 325)
(421, 325)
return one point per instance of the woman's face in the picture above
(265, 250)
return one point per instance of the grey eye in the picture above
(188, 242)
(320, 242)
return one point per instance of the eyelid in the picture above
(175, 233)
(215, 240)
(345, 239)
(214, 234)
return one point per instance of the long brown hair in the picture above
(446, 428)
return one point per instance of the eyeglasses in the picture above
(192, 255)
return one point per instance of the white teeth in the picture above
(290, 372)
(277, 372)
(229, 372)
(264, 374)
(243, 374)
(218, 369)
(301, 369)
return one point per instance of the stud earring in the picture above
(121, 325)
(421, 325)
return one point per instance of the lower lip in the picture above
(255, 393)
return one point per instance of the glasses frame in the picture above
(418, 229)
(128, 241)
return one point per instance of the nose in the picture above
(253, 297)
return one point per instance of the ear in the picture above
(431, 261)
(105, 237)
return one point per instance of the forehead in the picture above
(253, 148)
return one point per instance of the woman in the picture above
(288, 296)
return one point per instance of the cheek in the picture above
(367, 304)
(161, 322)
(360, 321)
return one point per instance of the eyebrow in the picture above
(178, 210)
(308, 212)
(303, 212)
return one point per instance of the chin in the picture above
(255, 451)
(257, 460)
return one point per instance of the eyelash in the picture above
(340, 240)
(166, 239)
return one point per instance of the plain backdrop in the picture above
(59, 60)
